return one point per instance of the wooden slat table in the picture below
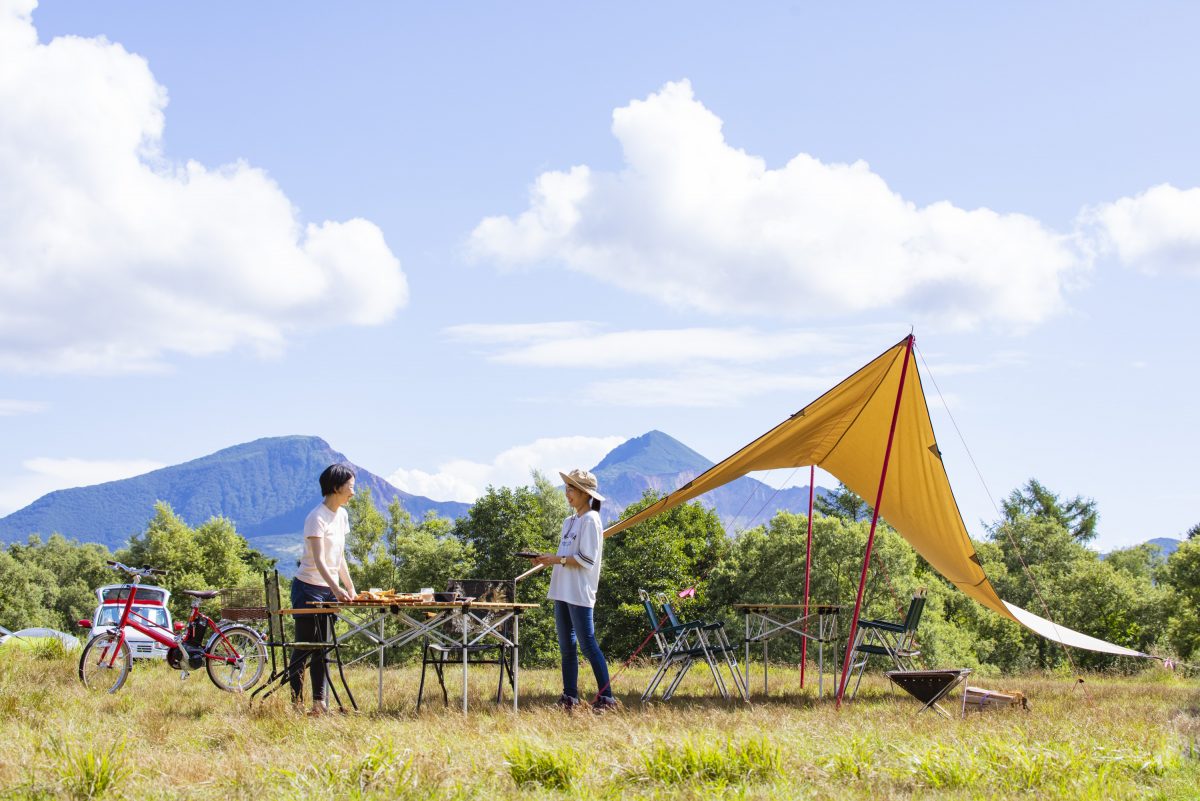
(480, 620)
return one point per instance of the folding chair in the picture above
(680, 644)
(675, 650)
(715, 644)
(492, 652)
(325, 647)
(896, 641)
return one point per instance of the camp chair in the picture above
(484, 652)
(705, 640)
(896, 641)
(325, 646)
(675, 649)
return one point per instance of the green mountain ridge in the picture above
(266, 487)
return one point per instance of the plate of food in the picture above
(527, 554)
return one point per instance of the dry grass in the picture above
(1108, 739)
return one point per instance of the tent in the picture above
(873, 433)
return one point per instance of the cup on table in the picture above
(427, 594)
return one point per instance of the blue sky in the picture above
(461, 240)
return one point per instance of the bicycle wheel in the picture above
(102, 667)
(250, 652)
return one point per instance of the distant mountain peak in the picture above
(653, 453)
(266, 487)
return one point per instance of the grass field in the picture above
(1110, 738)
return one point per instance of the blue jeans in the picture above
(574, 623)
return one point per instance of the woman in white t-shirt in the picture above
(322, 576)
(573, 585)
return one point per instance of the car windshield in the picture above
(110, 615)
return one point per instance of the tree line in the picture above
(1036, 555)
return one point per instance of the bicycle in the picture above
(234, 655)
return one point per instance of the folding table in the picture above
(767, 621)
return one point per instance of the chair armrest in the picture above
(689, 626)
(882, 624)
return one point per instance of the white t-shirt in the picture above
(330, 530)
(583, 538)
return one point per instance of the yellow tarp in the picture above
(845, 432)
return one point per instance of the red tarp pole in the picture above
(812, 473)
(862, 581)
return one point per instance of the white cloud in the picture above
(512, 333)
(464, 480)
(701, 224)
(702, 386)
(112, 256)
(11, 408)
(572, 345)
(46, 474)
(1155, 231)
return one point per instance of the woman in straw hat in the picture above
(573, 584)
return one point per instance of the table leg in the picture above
(765, 691)
(747, 665)
(516, 660)
(464, 654)
(381, 641)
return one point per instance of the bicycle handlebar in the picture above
(136, 571)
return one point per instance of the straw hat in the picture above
(582, 480)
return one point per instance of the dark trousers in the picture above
(575, 625)
(309, 628)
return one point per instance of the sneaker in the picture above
(606, 703)
(319, 709)
(567, 702)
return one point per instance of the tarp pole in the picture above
(812, 473)
(862, 581)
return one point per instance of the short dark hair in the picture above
(595, 505)
(334, 477)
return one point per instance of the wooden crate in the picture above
(981, 699)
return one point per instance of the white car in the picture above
(150, 603)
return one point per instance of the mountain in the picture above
(659, 462)
(1167, 545)
(265, 487)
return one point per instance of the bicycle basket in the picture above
(243, 603)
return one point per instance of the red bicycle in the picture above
(234, 655)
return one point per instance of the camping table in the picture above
(930, 686)
(461, 623)
(766, 621)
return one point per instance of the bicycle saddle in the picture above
(205, 594)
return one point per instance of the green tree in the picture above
(500, 523)
(1193, 532)
(1182, 574)
(210, 557)
(27, 594)
(1047, 570)
(1077, 515)
(366, 544)
(671, 551)
(425, 553)
(844, 503)
(77, 570)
